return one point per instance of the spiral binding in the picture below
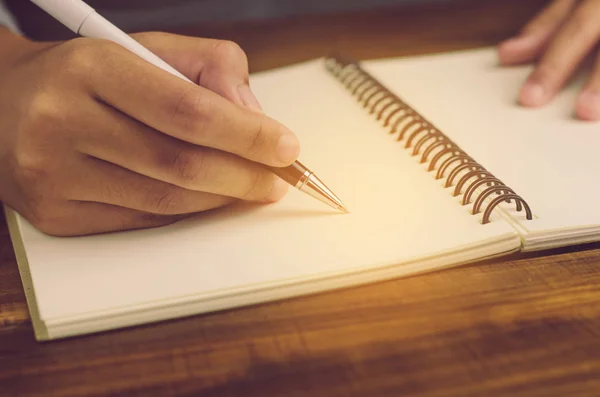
(459, 169)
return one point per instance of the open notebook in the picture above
(403, 220)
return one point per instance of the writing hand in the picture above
(94, 139)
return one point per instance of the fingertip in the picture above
(588, 106)
(533, 94)
(288, 148)
(505, 52)
(518, 49)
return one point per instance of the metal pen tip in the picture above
(344, 209)
(316, 188)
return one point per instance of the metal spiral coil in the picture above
(444, 157)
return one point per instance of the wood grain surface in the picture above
(527, 325)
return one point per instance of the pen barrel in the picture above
(70, 13)
(96, 26)
(293, 174)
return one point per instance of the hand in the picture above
(558, 39)
(94, 139)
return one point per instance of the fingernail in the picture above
(287, 148)
(248, 98)
(588, 105)
(279, 190)
(533, 94)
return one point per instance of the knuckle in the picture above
(226, 51)
(189, 166)
(79, 54)
(165, 200)
(255, 187)
(256, 138)
(43, 115)
(192, 112)
(81, 57)
(38, 137)
(30, 170)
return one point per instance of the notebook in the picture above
(401, 141)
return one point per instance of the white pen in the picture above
(85, 21)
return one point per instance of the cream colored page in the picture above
(399, 213)
(544, 154)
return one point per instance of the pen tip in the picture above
(343, 208)
(316, 188)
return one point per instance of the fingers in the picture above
(102, 182)
(99, 181)
(218, 65)
(190, 113)
(534, 37)
(588, 104)
(572, 43)
(565, 33)
(131, 145)
(85, 218)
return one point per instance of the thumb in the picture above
(217, 65)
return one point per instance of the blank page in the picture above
(546, 155)
(399, 216)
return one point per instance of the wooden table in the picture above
(522, 326)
